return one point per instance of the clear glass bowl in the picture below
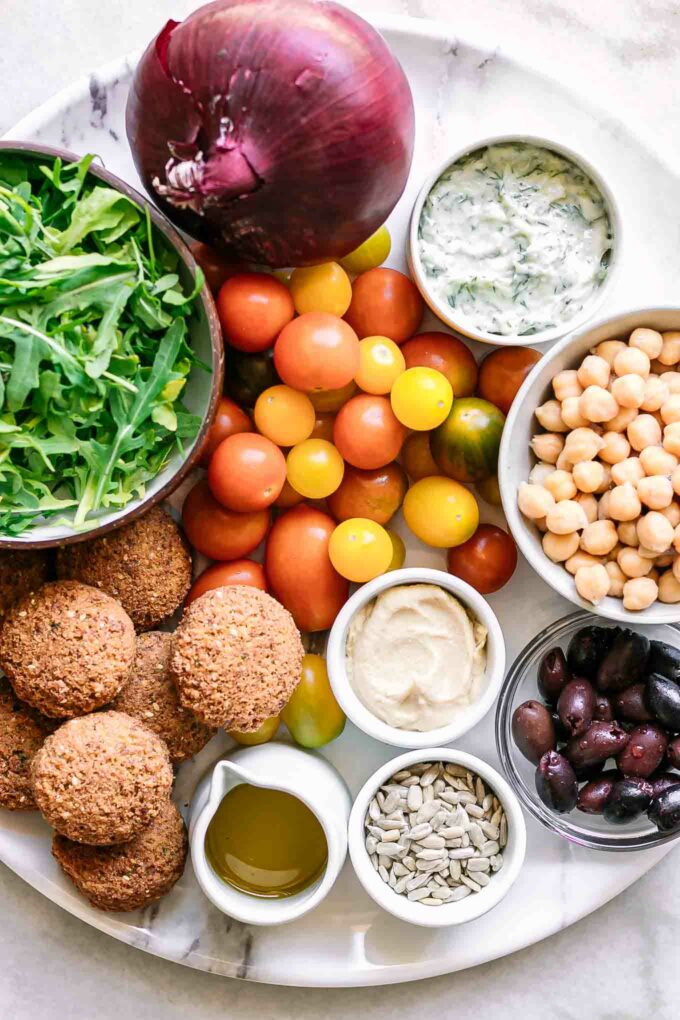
(520, 685)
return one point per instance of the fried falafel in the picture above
(22, 734)
(21, 572)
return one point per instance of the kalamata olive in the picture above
(553, 674)
(556, 783)
(630, 704)
(594, 795)
(625, 662)
(603, 708)
(663, 781)
(533, 730)
(664, 811)
(576, 705)
(586, 773)
(663, 698)
(673, 754)
(665, 660)
(644, 751)
(588, 648)
(601, 740)
(628, 799)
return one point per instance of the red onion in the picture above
(280, 131)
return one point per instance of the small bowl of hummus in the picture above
(416, 657)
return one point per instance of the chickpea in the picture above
(672, 381)
(669, 588)
(621, 421)
(639, 593)
(676, 568)
(632, 564)
(582, 444)
(632, 361)
(606, 482)
(566, 384)
(657, 461)
(672, 513)
(581, 559)
(592, 583)
(647, 340)
(617, 579)
(624, 503)
(644, 431)
(541, 525)
(566, 516)
(613, 554)
(589, 504)
(608, 350)
(547, 446)
(563, 463)
(599, 538)
(655, 491)
(559, 548)
(670, 411)
(628, 470)
(597, 404)
(603, 513)
(560, 484)
(670, 352)
(615, 448)
(571, 414)
(539, 473)
(665, 559)
(550, 416)
(647, 554)
(671, 438)
(589, 475)
(627, 532)
(656, 394)
(594, 371)
(628, 390)
(534, 501)
(655, 531)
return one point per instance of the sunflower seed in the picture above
(480, 791)
(432, 842)
(417, 894)
(391, 802)
(465, 839)
(453, 844)
(463, 854)
(476, 836)
(374, 810)
(428, 794)
(487, 803)
(460, 893)
(478, 864)
(490, 848)
(432, 901)
(392, 880)
(455, 770)
(374, 861)
(474, 811)
(385, 861)
(428, 865)
(400, 886)
(399, 777)
(409, 864)
(451, 832)
(440, 880)
(391, 823)
(445, 893)
(428, 811)
(419, 832)
(417, 881)
(428, 777)
(503, 831)
(414, 798)
(384, 874)
(470, 884)
(390, 849)
(481, 878)
(496, 862)
(371, 844)
(411, 781)
(455, 870)
(431, 855)
(392, 836)
(438, 786)
(489, 830)
(496, 817)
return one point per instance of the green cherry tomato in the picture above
(312, 715)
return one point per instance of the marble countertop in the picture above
(618, 963)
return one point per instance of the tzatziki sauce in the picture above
(515, 239)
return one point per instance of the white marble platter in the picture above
(463, 91)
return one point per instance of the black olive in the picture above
(602, 740)
(673, 754)
(630, 704)
(644, 751)
(663, 781)
(533, 730)
(664, 811)
(576, 705)
(588, 648)
(628, 799)
(663, 698)
(593, 797)
(625, 663)
(553, 674)
(603, 708)
(665, 660)
(556, 783)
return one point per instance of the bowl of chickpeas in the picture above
(589, 467)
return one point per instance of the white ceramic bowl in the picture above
(448, 913)
(516, 459)
(460, 324)
(354, 708)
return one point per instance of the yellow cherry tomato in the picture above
(312, 715)
(398, 550)
(261, 735)
(441, 512)
(324, 288)
(360, 549)
(315, 468)
(416, 456)
(380, 362)
(373, 252)
(332, 400)
(284, 415)
(421, 398)
(489, 491)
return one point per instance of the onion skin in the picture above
(289, 140)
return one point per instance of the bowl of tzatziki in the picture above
(514, 240)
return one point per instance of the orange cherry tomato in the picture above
(376, 494)
(246, 472)
(323, 426)
(218, 533)
(216, 268)
(284, 415)
(486, 561)
(448, 355)
(380, 364)
(332, 400)
(502, 372)
(385, 303)
(317, 351)
(253, 309)
(229, 420)
(299, 571)
(367, 432)
(288, 497)
(417, 458)
(246, 572)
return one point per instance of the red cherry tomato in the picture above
(317, 351)
(253, 309)
(215, 267)
(218, 533)
(448, 355)
(229, 420)
(486, 561)
(367, 432)
(385, 303)
(502, 373)
(220, 574)
(246, 472)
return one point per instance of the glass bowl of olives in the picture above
(588, 732)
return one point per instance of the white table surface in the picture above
(620, 963)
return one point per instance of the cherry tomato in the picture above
(502, 372)
(218, 533)
(247, 375)
(246, 572)
(417, 458)
(253, 309)
(262, 735)
(284, 415)
(216, 268)
(317, 351)
(332, 400)
(229, 420)
(299, 571)
(288, 497)
(489, 490)
(246, 472)
(385, 303)
(375, 494)
(372, 253)
(398, 551)
(446, 354)
(312, 714)
(322, 288)
(360, 549)
(487, 561)
(380, 363)
(421, 398)
(323, 426)
(441, 512)
(367, 433)
(315, 468)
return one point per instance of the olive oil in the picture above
(265, 842)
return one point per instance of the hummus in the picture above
(415, 656)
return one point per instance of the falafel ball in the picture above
(236, 657)
(146, 565)
(67, 648)
(21, 572)
(131, 875)
(22, 734)
(151, 696)
(101, 779)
